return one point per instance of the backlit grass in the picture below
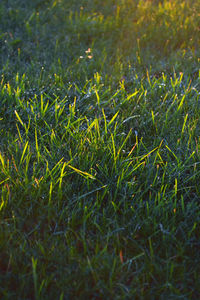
(99, 149)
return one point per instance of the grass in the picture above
(99, 149)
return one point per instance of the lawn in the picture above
(99, 149)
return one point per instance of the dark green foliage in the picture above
(99, 149)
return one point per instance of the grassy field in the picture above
(99, 149)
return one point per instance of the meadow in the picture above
(99, 149)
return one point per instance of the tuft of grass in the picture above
(99, 149)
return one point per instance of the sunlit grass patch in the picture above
(99, 149)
